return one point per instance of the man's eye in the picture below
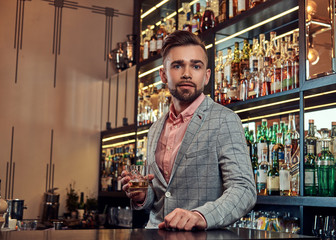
(176, 66)
(197, 67)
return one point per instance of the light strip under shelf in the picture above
(319, 94)
(257, 25)
(154, 8)
(267, 105)
(150, 71)
(118, 144)
(118, 136)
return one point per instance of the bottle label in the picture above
(324, 163)
(285, 180)
(152, 45)
(279, 154)
(241, 5)
(146, 51)
(273, 183)
(309, 177)
(159, 44)
(261, 176)
(262, 151)
(227, 72)
(232, 93)
(310, 148)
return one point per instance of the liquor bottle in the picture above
(160, 35)
(273, 184)
(243, 85)
(276, 78)
(223, 11)
(262, 142)
(141, 111)
(253, 86)
(148, 35)
(296, 81)
(261, 52)
(254, 161)
(196, 20)
(233, 94)
(310, 186)
(152, 44)
(272, 138)
(318, 140)
(310, 139)
(232, 8)
(255, 3)
(227, 67)
(282, 130)
(245, 58)
(81, 207)
(208, 18)
(219, 69)
(248, 141)
(265, 74)
(291, 138)
(187, 25)
(263, 167)
(325, 168)
(333, 138)
(242, 6)
(253, 54)
(182, 17)
(285, 178)
(273, 46)
(215, 9)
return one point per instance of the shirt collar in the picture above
(188, 112)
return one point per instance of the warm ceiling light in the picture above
(313, 56)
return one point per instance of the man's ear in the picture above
(207, 76)
(163, 75)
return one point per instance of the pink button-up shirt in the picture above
(172, 135)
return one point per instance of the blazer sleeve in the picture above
(239, 190)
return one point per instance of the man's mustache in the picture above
(187, 83)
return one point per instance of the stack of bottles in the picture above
(266, 67)
(152, 104)
(319, 160)
(275, 157)
(269, 221)
(113, 162)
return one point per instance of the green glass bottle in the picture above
(254, 161)
(310, 173)
(278, 155)
(325, 168)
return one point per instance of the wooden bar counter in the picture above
(145, 234)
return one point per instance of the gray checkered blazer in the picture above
(212, 172)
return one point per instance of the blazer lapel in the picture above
(195, 123)
(152, 147)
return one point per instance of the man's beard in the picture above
(185, 95)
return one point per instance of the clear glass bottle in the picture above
(233, 94)
(318, 140)
(276, 78)
(273, 181)
(161, 33)
(233, 8)
(196, 20)
(243, 85)
(254, 81)
(208, 18)
(242, 6)
(245, 58)
(253, 54)
(266, 73)
(261, 52)
(296, 81)
(182, 17)
(325, 168)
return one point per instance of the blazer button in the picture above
(168, 194)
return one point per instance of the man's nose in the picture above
(186, 73)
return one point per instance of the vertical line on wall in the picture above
(50, 160)
(9, 180)
(109, 101)
(116, 118)
(18, 33)
(125, 93)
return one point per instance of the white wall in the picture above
(73, 109)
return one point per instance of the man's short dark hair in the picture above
(180, 38)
